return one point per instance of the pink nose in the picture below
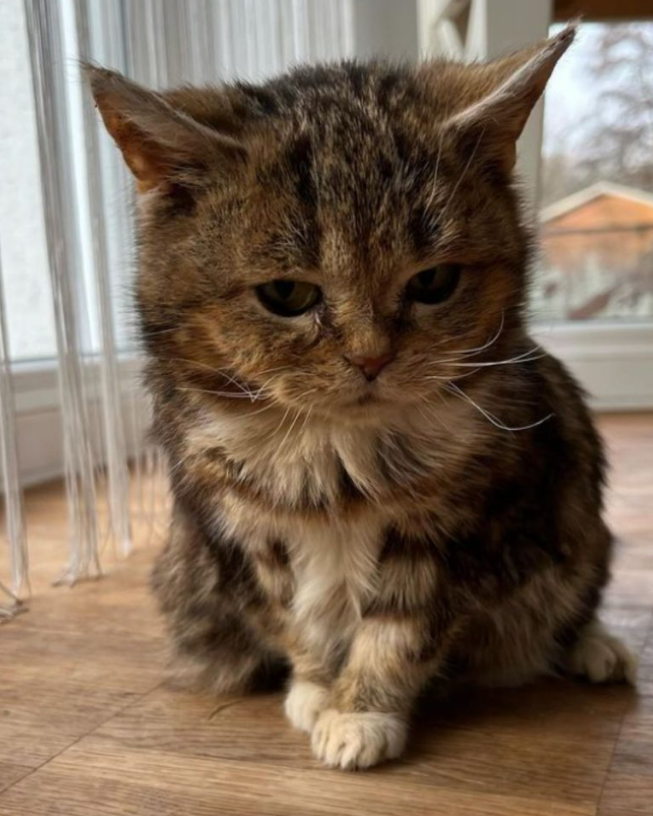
(370, 366)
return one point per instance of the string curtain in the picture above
(108, 466)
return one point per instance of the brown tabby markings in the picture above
(377, 534)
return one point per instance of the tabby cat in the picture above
(378, 478)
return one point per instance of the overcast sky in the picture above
(573, 95)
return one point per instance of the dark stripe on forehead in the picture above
(418, 171)
(358, 75)
(391, 85)
(263, 100)
(299, 159)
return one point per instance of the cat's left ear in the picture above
(493, 123)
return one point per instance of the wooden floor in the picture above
(87, 726)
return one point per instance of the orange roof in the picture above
(642, 200)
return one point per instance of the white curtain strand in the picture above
(10, 596)
(111, 398)
(43, 27)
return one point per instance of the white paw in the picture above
(602, 658)
(304, 703)
(352, 741)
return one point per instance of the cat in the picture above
(378, 478)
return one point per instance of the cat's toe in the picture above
(350, 741)
(304, 704)
(602, 658)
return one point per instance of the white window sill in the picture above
(38, 416)
(613, 361)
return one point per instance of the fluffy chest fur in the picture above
(296, 463)
(323, 496)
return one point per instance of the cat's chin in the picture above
(373, 403)
(365, 400)
(368, 398)
(368, 408)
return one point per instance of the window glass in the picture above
(22, 233)
(596, 215)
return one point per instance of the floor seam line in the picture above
(78, 739)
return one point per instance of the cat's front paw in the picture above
(304, 704)
(602, 658)
(358, 740)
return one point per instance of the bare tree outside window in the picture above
(597, 179)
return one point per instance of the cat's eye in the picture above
(434, 285)
(289, 298)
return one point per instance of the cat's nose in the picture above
(371, 366)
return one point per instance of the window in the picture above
(597, 179)
(22, 237)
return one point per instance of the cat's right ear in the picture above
(161, 145)
(496, 98)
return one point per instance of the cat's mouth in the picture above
(368, 396)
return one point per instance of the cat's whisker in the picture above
(513, 361)
(306, 419)
(269, 379)
(294, 422)
(434, 189)
(462, 175)
(267, 407)
(159, 332)
(254, 395)
(442, 420)
(288, 432)
(201, 364)
(465, 353)
(276, 370)
(525, 357)
(474, 351)
(447, 377)
(212, 369)
(428, 411)
(281, 422)
(227, 394)
(452, 388)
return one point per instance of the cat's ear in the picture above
(493, 123)
(161, 145)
